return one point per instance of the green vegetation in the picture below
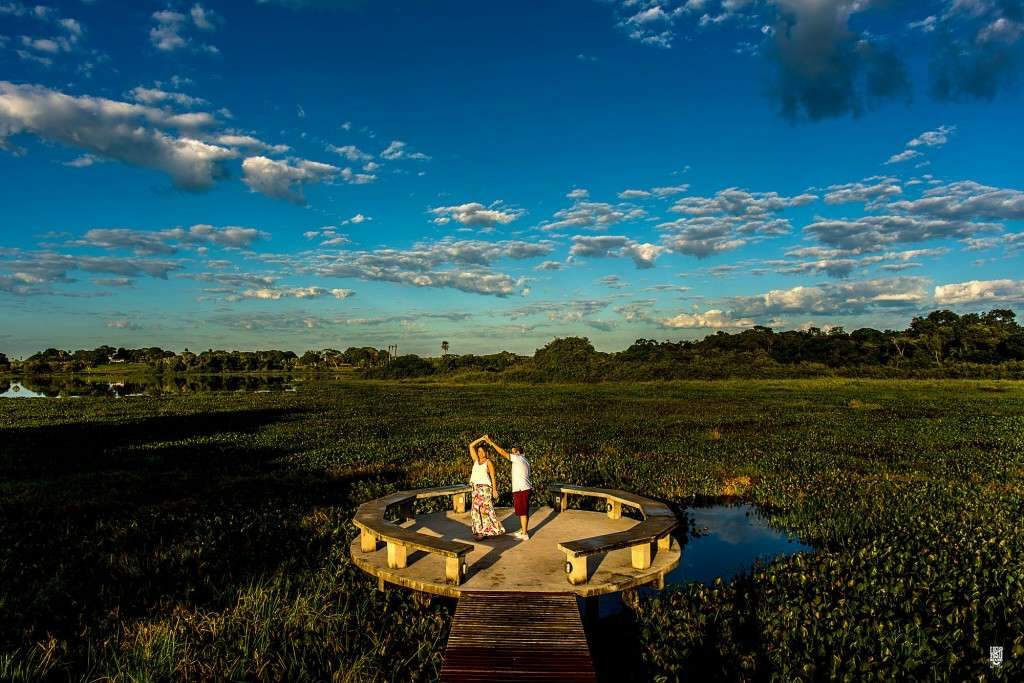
(205, 536)
(939, 345)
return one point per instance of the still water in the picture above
(723, 541)
(72, 386)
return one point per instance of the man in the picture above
(521, 487)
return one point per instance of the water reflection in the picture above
(722, 541)
(49, 386)
(726, 540)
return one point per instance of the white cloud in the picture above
(350, 152)
(933, 138)
(469, 264)
(587, 215)
(284, 179)
(171, 30)
(980, 292)
(399, 150)
(734, 201)
(847, 297)
(966, 200)
(150, 242)
(871, 233)
(248, 142)
(157, 96)
(868, 190)
(605, 246)
(713, 318)
(476, 214)
(905, 155)
(126, 132)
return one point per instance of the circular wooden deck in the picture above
(504, 564)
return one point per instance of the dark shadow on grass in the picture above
(106, 521)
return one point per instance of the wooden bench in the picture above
(658, 522)
(370, 519)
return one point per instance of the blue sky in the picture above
(304, 175)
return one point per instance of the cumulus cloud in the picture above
(658, 192)
(980, 292)
(399, 150)
(476, 214)
(713, 318)
(132, 133)
(840, 298)
(350, 152)
(284, 179)
(152, 242)
(276, 293)
(248, 142)
(734, 201)
(588, 215)
(154, 96)
(871, 233)
(905, 155)
(34, 272)
(707, 235)
(966, 200)
(604, 246)
(172, 30)
(865, 191)
(464, 265)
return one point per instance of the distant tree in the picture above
(444, 348)
(5, 364)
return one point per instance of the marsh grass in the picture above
(205, 537)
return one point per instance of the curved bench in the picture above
(373, 527)
(658, 522)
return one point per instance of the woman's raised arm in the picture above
(473, 445)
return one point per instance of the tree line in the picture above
(941, 343)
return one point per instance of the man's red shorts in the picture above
(521, 502)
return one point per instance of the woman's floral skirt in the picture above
(484, 522)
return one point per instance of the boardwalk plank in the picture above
(512, 636)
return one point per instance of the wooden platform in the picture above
(505, 564)
(515, 636)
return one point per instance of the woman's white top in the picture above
(520, 472)
(480, 474)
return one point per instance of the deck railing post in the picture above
(577, 568)
(454, 569)
(614, 509)
(397, 556)
(641, 555)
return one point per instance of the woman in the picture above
(485, 490)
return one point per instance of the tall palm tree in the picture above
(444, 348)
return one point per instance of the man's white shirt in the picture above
(520, 472)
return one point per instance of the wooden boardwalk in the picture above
(515, 636)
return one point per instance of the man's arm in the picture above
(501, 451)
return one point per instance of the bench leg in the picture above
(396, 555)
(459, 502)
(614, 509)
(665, 542)
(641, 555)
(453, 570)
(577, 569)
(563, 502)
(367, 541)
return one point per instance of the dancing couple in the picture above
(485, 489)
